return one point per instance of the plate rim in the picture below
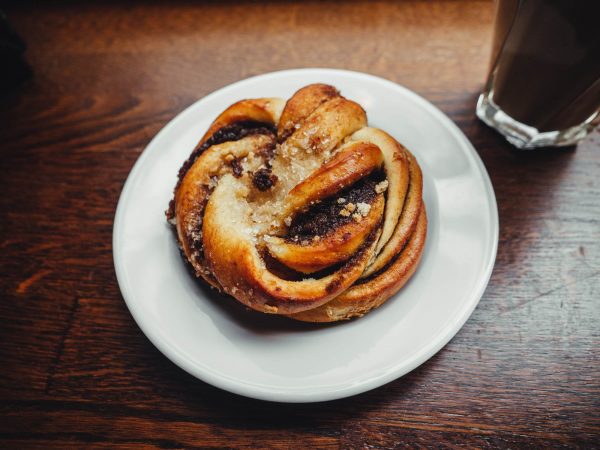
(292, 396)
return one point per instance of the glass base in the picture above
(524, 136)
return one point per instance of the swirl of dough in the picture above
(299, 208)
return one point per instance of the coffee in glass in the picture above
(543, 88)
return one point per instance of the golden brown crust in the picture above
(194, 191)
(247, 186)
(301, 105)
(361, 298)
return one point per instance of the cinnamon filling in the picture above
(264, 179)
(323, 217)
(236, 168)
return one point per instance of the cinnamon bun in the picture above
(300, 208)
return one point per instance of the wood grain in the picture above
(75, 369)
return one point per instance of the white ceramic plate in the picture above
(273, 358)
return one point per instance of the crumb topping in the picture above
(381, 187)
(363, 208)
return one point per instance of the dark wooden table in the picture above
(75, 368)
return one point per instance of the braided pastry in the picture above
(299, 208)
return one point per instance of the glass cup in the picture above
(543, 88)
